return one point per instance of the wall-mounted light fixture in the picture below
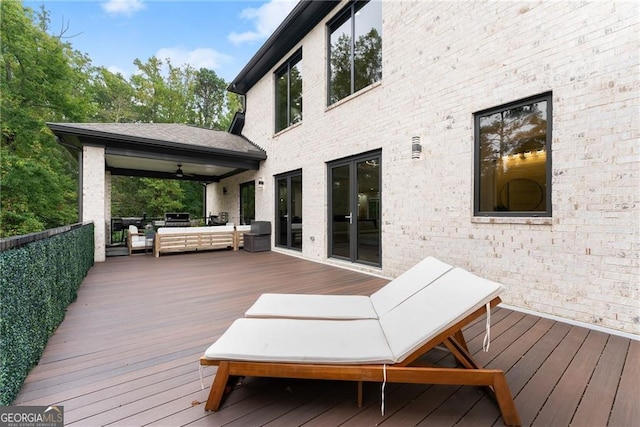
(260, 183)
(416, 147)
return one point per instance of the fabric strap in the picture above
(486, 342)
(384, 383)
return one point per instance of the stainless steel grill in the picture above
(177, 219)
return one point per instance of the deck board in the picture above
(127, 355)
(626, 407)
(597, 401)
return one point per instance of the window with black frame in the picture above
(289, 92)
(355, 49)
(513, 159)
(247, 202)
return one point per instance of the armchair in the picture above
(135, 239)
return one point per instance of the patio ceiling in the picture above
(156, 150)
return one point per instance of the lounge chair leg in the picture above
(218, 387)
(359, 394)
(460, 338)
(461, 354)
(505, 401)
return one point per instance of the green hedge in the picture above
(37, 283)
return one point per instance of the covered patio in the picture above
(127, 354)
(154, 150)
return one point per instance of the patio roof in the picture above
(157, 150)
(127, 354)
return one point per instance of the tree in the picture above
(209, 96)
(113, 97)
(41, 79)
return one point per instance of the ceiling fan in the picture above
(179, 173)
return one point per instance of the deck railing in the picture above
(40, 274)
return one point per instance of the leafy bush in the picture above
(38, 281)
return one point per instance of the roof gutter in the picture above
(302, 19)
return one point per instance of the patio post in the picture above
(92, 190)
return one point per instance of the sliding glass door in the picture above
(354, 209)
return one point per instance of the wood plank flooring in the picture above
(127, 355)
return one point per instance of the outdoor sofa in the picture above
(185, 239)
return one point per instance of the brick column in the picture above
(107, 207)
(93, 196)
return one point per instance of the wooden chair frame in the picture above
(408, 371)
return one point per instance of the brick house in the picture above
(501, 137)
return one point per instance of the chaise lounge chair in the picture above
(381, 350)
(349, 307)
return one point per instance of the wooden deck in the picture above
(127, 354)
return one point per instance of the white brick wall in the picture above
(443, 61)
(93, 196)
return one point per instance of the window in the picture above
(247, 202)
(355, 49)
(289, 210)
(513, 159)
(289, 93)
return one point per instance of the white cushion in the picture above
(312, 307)
(302, 341)
(408, 283)
(243, 227)
(449, 299)
(350, 306)
(390, 339)
(193, 230)
(133, 229)
(138, 241)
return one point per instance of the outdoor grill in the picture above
(175, 219)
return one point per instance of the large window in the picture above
(289, 92)
(513, 159)
(355, 49)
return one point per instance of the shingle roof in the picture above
(163, 134)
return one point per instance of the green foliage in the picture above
(161, 196)
(37, 284)
(209, 96)
(192, 200)
(112, 96)
(133, 197)
(41, 79)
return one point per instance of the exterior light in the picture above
(416, 147)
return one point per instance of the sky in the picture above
(221, 35)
